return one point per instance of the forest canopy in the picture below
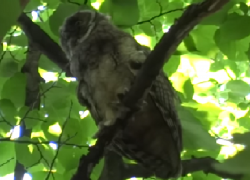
(44, 130)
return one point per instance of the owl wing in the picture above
(165, 99)
(153, 136)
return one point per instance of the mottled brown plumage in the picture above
(105, 60)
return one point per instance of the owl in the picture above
(105, 60)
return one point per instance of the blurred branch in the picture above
(192, 165)
(31, 97)
(45, 43)
(42, 142)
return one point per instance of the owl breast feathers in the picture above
(105, 60)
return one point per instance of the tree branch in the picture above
(32, 92)
(45, 43)
(192, 165)
(162, 51)
(168, 44)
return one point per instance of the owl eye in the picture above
(78, 23)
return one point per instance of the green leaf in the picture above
(74, 132)
(7, 158)
(8, 111)
(106, 7)
(239, 164)
(32, 119)
(26, 154)
(244, 121)
(192, 129)
(20, 40)
(203, 38)
(124, 13)
(232, 66)
(188, 89)
(244, 8)
(32, 5)
(88, 126)
(44, 175)
(157, 25)
(46, 128)
(69, 157)
(233, 22)
(63, 10)
(218, 17)
(9, 12)
(172, 65)
(14, 89)
(238, 87)
(234, 50)
(8, 67)
(48, 154)
(216, 66)
(189, 43)
(51, 4)
(47, 64)
(97, 170)
(147, 28)
(35, 168)
(54, 91)
(242, 138)
(243, 106)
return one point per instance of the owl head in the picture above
(79, 26)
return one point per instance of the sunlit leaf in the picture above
(238, 87)
(192, 129)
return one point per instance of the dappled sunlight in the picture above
(9, 177)
(97, 4)
(211, 57)
(199, 71)
(37, 134)
(49, 76)
(55, 129)
(15, 133)
(53, 145)
(143, 39)
(84, 114)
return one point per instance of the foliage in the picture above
(210, 71)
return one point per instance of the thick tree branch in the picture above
(45, 44)
(161, 53)
(168, 44)
(31, 97)
(192, 165)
